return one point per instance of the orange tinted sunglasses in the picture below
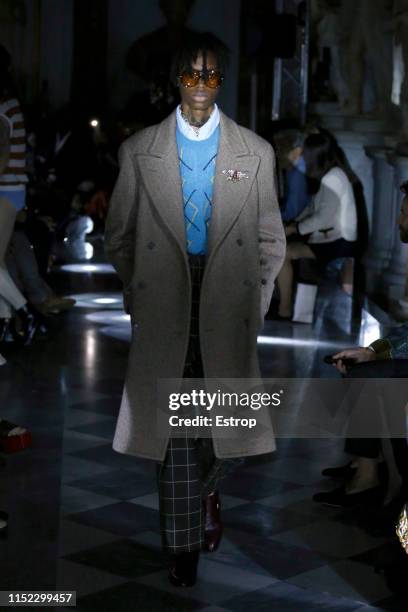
(211, 78)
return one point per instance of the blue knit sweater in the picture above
(197, 169)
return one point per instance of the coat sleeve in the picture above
(271, 235)
(121, 219)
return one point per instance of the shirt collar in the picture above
(205, 131)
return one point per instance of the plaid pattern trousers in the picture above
(190, 470)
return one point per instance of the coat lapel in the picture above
(230, 196)
(161, 176)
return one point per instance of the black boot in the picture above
(183, 568)
(4, 329)
(22, 327)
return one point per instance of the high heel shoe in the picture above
(183, 568)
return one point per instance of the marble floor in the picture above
(84, 518)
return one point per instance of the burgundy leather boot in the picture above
(213, 524)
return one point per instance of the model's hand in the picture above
(358, 355)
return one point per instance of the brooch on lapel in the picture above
(235, 175)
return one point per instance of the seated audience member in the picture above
(13, 181)
(385, 358)
(41, 225)
(289, 150)
(327, 228)
(68, 154)
(66, 162)
(23, 268)
(362, 475)
(73, 246)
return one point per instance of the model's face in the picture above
(403, 220)
(200, 97)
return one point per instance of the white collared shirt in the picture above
(205, 131)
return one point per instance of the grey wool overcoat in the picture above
(145, 241)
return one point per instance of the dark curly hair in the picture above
(193, 44)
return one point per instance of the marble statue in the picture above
(366, 48)
(328, 35)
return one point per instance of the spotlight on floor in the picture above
(109, 317)
(82, 268)
(305, 343)
(106, 299)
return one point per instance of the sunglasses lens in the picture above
(213, 79)
(189, 79)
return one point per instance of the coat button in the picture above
(141, 285)
(239, 242)
(263, 281)
(247, 283)
(151, 245)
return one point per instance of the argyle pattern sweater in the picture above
(197, 161)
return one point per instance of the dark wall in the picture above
(130, 19)
(89, 86)
(77, 41)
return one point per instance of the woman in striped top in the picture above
(13, 181)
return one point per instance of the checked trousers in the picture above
(190, 470)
